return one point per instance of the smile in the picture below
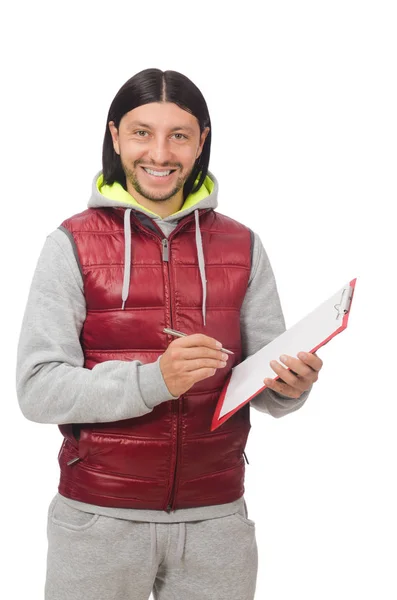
(161, 174)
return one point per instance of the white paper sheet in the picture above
(247, 377)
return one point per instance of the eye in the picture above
(140, 131)
(182, 136)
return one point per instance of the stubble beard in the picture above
(154, 197)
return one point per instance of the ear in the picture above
(115, 136)
(203, 137)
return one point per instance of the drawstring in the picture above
(201, 263)
(127, 260)
(127, 256)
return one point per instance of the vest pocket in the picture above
(85, 447)
(76, 432)
(76, 435)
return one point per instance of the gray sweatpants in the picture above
(93, 557)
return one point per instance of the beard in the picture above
(154, 196)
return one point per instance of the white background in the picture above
(302, 97)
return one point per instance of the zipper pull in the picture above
(73, 461)
(165, 249)
(245, 456)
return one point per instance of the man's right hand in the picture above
(190, 359)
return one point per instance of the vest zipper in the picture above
(164, 241)
(171, 497)
(170, 501)
(245, 456)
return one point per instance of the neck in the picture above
(162, 208)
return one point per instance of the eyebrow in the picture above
(134, 124)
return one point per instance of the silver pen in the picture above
(180, 334)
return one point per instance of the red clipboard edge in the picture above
(216, 421)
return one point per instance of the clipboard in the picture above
(308, 335)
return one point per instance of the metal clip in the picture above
(344, 305)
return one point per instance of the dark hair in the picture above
(153, 85)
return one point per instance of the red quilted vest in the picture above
(167, 459)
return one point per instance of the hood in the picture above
(115, 195)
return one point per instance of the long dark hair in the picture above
(153, 85)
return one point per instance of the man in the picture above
(149, 498)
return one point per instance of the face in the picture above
(154, 139)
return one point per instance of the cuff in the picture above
(153, 387)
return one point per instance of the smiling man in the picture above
(149, 499)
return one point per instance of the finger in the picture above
(282, 388)
(200, 352)
(289, 378)
(311, 359)
(201, 374)
(197, 339)
(203, 363)
(297, 366)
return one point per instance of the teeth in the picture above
(158, 173)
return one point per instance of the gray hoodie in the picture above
(54, 387)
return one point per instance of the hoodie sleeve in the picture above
(262, 320)
(52, 384)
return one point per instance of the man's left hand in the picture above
(300, 375)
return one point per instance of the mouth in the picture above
(163, 175)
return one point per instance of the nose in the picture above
(160, 151)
